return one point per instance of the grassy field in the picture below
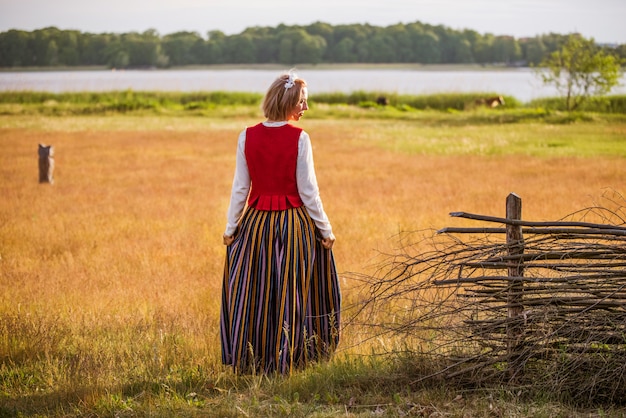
(358, 104)
(110, 279)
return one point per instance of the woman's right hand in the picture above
(228, 239)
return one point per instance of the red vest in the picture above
(272, 155)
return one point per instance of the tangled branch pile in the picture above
(546, 312)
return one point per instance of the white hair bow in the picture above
(291, 80)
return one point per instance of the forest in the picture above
(316, 43)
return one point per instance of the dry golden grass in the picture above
(134, 219)
(120, 261)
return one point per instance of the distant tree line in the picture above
(289, 45)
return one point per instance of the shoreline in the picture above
(280, 67)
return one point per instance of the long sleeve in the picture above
(307, 186)
(240, 189)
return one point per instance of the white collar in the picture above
(275, 124)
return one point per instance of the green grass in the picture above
(158, 376)
(427, 133)
(582, 139)
(440, 101)
(61, 104)
(357, 104)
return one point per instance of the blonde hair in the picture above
(280, 100)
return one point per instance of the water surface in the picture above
(521, 83)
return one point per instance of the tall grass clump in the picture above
(160, 97)
(353, 98)
(125, 101)
(456, 101)
(605, 104)
(439, 101)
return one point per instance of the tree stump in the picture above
(46, 163)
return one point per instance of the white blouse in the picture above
(305, 177)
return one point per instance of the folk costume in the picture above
(280, 298)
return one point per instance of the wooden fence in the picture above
(563, 294)
(534, 304)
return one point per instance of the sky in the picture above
(603, 20)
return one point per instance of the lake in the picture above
(521, 83)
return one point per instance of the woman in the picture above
(280, 296)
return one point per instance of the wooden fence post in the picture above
(515, 245)
(46, 163)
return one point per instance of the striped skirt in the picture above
(280, 297)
